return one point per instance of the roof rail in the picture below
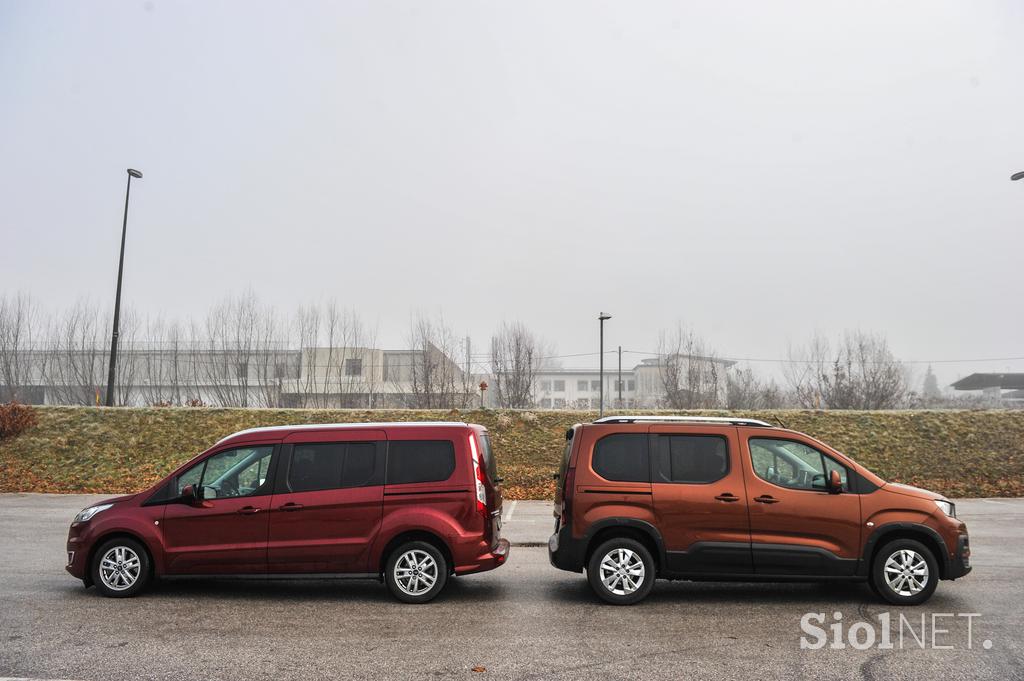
(654, 418)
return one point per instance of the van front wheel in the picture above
(621, 571)
(905, 572)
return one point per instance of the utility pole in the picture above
(117, 298)
(619, 405)
(469, 368)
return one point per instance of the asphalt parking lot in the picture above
(524, 620)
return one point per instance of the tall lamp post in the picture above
(601, 317)
(117, 298)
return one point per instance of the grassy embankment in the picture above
(84, 449)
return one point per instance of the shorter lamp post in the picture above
(601, 317)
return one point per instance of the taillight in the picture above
(567, 485)
(478, 474)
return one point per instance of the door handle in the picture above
(291, 506)
(727, 496)
(248, 510)
(766, 499)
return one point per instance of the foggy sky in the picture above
(759, 171)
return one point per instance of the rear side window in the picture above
(622, 458)
(420, 461)
(488, 453)
(332, 466)
(693, 459)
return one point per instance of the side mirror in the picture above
(190, 495)
(835, 483)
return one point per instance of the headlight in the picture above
(88, 513)
(947, 507)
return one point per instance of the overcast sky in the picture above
(757, 170)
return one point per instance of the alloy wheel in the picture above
(120, 568)
(906, 572)
(622, 571)
(416, 572)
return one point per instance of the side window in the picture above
(831, 465)
(793, 464)
(622, 458)
(692, 458)
(420, 461)
(333, 465)
(315, 467)
(238, 472)
(190, 477)
(360, 463)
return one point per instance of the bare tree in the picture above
(516, 356)
(435, 379)
(690, 374)
(19, 318)
(857, 372)
(232, 339)
(74, 361)
(744, 390)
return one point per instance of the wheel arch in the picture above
(893, 531)
(416, 535)
(115, 534)
(613, 528)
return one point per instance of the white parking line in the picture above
(508, 517)
(987, 501)
(25, 678)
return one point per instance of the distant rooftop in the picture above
(982, 381)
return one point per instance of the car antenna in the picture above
(780, 421)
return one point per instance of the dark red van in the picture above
(409, 503)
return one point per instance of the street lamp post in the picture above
(117, 297)
(601, 317)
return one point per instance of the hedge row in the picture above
(86, 449)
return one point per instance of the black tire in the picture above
(132, 574)
(404, 585)
(608, 593)
(911, 595)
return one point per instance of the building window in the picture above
(242, 370)
(559, 403)
(595, 385)
(353, 367)
(559, 386)
(545, 386)
(545, 403)
(582, 386)
(630, 385)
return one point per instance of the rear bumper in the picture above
(565, 552)
(488, 560)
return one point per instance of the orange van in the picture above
(725, 499)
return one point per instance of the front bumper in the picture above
(960, 564)
(77, 551)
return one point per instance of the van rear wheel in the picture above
(621, 571)
(416, 572)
